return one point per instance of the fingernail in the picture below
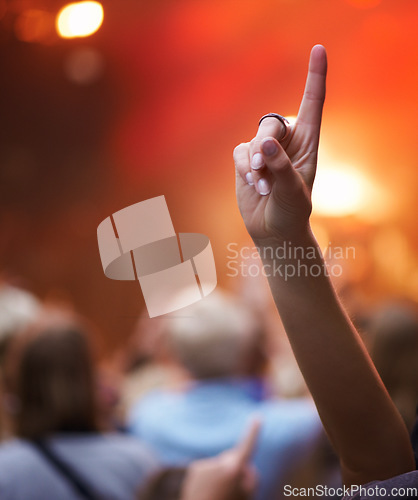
(263, 187)
(257, 161)
(269, 147)
(249, 178)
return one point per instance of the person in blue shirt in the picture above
(219, 342)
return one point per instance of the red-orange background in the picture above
(184, 81)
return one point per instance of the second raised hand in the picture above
(228, 476)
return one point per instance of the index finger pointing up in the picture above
(246, 447)
(310, 111)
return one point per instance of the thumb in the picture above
(287, 181)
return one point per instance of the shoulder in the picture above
(15, 451)
(156, 399)
(294, 412)
(117, 444)
(154, 407)
(290, 421)
(108, 455)
(19, 462)
(403, 486)
(126, 445)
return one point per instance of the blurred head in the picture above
(217, 337)
(394, 348)
(49, 374)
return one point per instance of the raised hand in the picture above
(228, 476)
(274, 177)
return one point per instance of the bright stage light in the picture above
(79, 19)
(340, 191)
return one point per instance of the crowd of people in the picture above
(214, 429)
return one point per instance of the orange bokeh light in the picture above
(34, 25)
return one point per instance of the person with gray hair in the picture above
(220, 343)
(216, 337)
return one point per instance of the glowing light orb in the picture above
(79, 19)
(339, 191)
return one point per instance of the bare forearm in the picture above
(338, 371)
(275, 176)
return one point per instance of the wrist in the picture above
(295, 259)
(303, 238)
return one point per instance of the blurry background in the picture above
(154, 102)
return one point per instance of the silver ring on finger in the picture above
(281, 119)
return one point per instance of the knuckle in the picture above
(255, 144)
(278, 162)
(238, 150)
(313, 96)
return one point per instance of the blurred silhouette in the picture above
(17, 308)
(221, 345)
(393, 331)
(59, 448)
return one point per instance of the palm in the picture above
(260, 212)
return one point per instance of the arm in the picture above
(363, 424)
